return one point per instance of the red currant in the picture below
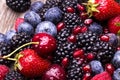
(109, 68)
(104, 38)
(60, 26)
(70, 10)
(78, 53)
(87, 68)
(77, 30)
(65, 62)
(72, 38)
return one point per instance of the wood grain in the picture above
(8, 17)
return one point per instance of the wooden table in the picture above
(8, 17)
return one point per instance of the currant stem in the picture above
(7, 56)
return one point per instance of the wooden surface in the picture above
(8, 17)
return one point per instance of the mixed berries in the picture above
(62, 40)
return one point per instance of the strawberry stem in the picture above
(7, 56)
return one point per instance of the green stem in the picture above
(7, 56)
(12, 59)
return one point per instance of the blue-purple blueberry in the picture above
(96, 28)
(33, 18)
(47, 27)
(2, 37)
(26, 27)
(96, 67)
(116, 59)
(54, 15)
(9, 35)
(116, 74)
(113, 40)
(36, 6)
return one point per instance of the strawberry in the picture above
(3, 71)
(18, 22)
(30, 64)
(114, 25)
(103, 9)
(102, 76)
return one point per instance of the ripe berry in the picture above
(88, 21)
(80, 7)
(46, 46)
(104, 38)
(118, 48)
(78, 53)
(109, 68)
(65, 62)
(84, 29)
(87, 76)
(77, 30)
(83, 15)
(72, 38)
(86, 68)
(70, 10)
(90, 56)
(60, 26)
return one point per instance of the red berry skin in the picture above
(18, 22)
(70, 10)
(80, 7)
(77, 30)
(55, 72)
(65, 62)
(88, 21)
(87, 76)
(84, 29)
(87, 68)
(90, 56)
(118, 48)
(60, 26)
(78, 53)
(46, 46)
(31, 65)
(109, 68)
(104, 38)
(83, 15)
(72, 39)
(3, 71)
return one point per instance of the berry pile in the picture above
(62, 40)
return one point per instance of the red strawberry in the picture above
(3, 71)
(114, 25)
(18, 22)
(103, 9)
(30, 64)
(102, 76)
(46, 46)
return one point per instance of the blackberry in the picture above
(71, 20)
(18, 5)
(19, 39)
(86, 40)
(105, 52)
(5, 49)
(74, 70)
(63, 35)
(69, 3)
(64, 50)
(14, 75)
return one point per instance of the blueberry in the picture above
(113, 39)
(96, 67)
(26, 27)
(96, 28)
(54, 15)
(33, 18)
(116, 59)
(2, 37)
(116, 74)
(47, 27)
(36, 6)
(9, 35)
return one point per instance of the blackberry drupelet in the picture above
(14, 75)
(69, 3)
(64, 50)
(19, 5)
(74, 70)
(19, 39)
(5, 49)
(63, 35)
(105, 52)
(71, 20)
(86, 40)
